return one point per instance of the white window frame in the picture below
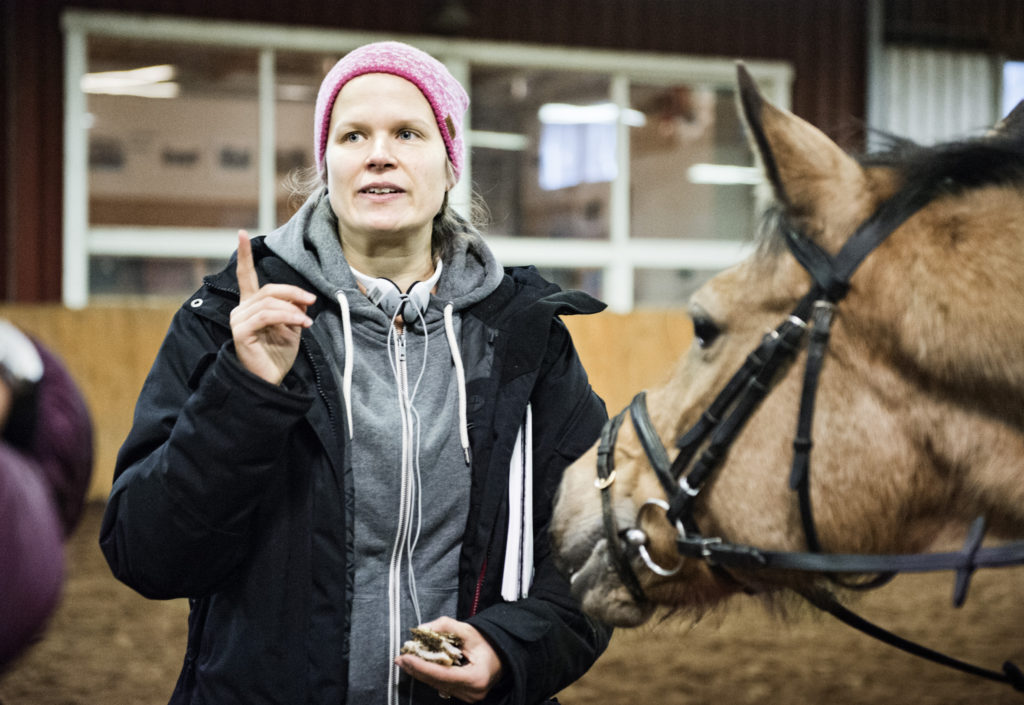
(619, 256)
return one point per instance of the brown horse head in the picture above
(918, 421)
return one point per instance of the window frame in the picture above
(618, 257)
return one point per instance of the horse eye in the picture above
(705, 331)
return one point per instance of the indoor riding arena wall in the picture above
(106, 644)
(109, 351)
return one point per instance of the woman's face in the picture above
(386, 161)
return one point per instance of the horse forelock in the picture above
(768, 238)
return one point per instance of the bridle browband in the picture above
(684, 478)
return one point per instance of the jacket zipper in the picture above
(405, 518)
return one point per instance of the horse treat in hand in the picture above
(443, 648)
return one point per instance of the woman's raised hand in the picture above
(268, 321)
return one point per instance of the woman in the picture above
(357, 428)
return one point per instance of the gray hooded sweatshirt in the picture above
(407, 440)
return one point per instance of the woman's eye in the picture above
(705, 331)
(406, 134)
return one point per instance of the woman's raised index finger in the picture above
(248, 283)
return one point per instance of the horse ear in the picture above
(1013, 124)
(805, 168)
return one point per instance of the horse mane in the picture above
(949, 168)
(952, 167)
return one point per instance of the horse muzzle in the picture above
(599, 589)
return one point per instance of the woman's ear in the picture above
(449, 175)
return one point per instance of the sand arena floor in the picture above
(107, 645)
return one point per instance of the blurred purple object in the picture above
(43, 484)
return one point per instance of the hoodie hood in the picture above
(309, 242)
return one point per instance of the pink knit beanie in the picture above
(445, 94)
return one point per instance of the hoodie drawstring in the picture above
(346, 375)
(460, 377)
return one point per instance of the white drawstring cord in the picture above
(460, 376)
(346, 376)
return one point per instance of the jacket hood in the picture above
(309, 242)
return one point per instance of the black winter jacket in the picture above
(234, 493)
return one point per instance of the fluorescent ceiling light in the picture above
(723, 174)
(146, 82)
(509, 141)
(600, 113)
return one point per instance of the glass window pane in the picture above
(1013, 86)
(298, 76)
(542, 179)
(173, 135)
(585, 279)
(148, 277)
(678, 186)
(667, 288)
(173, 142)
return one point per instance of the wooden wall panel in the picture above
(624, 353)
(109, 352)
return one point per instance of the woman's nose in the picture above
(380, 155)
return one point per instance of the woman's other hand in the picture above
(470, 682)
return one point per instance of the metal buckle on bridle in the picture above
(684, 485)
(699, 547)
(791, 318)
(824, 311)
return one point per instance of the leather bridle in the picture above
(684, 478)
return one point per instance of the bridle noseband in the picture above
(704, 445)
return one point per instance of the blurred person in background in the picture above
(46, 458)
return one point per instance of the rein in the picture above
(684, 478)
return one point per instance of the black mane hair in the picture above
(953, 167)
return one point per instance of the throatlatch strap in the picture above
(799, 478)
